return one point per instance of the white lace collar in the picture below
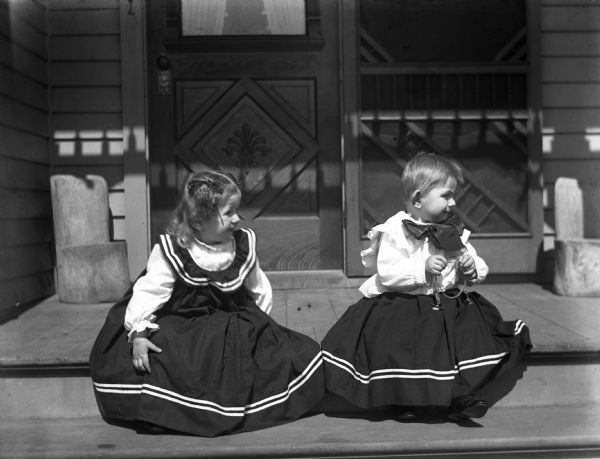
(212, 257)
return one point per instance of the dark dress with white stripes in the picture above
(398, 349)
(419, 349)
(225, 365)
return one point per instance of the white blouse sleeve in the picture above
(260, 288)
(399, 267)
(150, 293)
(480, 265)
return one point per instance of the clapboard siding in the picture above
(570, 48)
(24, 34)
(86, 99)
(102, 21)
(571, 18)
(83, 48)
(22, 117)
(86, 74)
(564, 2)
(58, 5)
(570, 44)
(572, 121)
(88, 153)
(571, 147)
(16, 204)
(117, 203)
(26, 247)
(22, 61)
(26, 231)
(86, 94)
(17, 174)
(30, 11)
(587, 170)
(23, 145)
(571, 95)
(23, 260)
(571, 69)
(119, 232)
(16, 292)
(24, 89)
(106, 123)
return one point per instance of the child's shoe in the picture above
(153, 429)
(467, 407)
(407, 414)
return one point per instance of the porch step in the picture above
(44, 369)
(63, 393)
(511, 432)
(48, 406)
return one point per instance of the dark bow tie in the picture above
(444, 236)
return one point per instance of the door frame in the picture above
(319, 45)
(134, 130)
(494, 251)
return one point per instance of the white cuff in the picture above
(141, 326)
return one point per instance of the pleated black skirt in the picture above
(218, 373)
(397, 349)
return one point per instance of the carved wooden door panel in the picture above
(252, 111)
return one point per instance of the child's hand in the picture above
(140, 353)
(435, 264)
(466, 266)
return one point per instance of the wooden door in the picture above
(455, 78)
(262, 107)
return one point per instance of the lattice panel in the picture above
(494, 196)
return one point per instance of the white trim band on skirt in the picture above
(149, 389)
(403, 373)
(519, 326)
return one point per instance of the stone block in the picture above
(577, 267)
(92, 273)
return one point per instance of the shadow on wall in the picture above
(101, 151)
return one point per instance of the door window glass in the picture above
(243, 17)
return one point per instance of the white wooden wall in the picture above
(570, 48)
(26, 247)
(85, 86)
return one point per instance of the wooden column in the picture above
(135, 145)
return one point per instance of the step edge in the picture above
(567, 443)
(535, 357)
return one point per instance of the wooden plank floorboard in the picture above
(53, 332)
(517, 429)
(48, 333)
(313, 308)
(279, 309)
(342, 299)
(296, 311)
(581, 319)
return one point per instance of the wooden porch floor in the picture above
(562, 422)
(508, 433)
(54, 333)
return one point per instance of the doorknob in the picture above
(163, 62)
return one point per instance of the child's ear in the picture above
(416, 198)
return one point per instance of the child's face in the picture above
(219, 228)
(438, 203)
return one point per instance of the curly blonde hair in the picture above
(199, 199)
